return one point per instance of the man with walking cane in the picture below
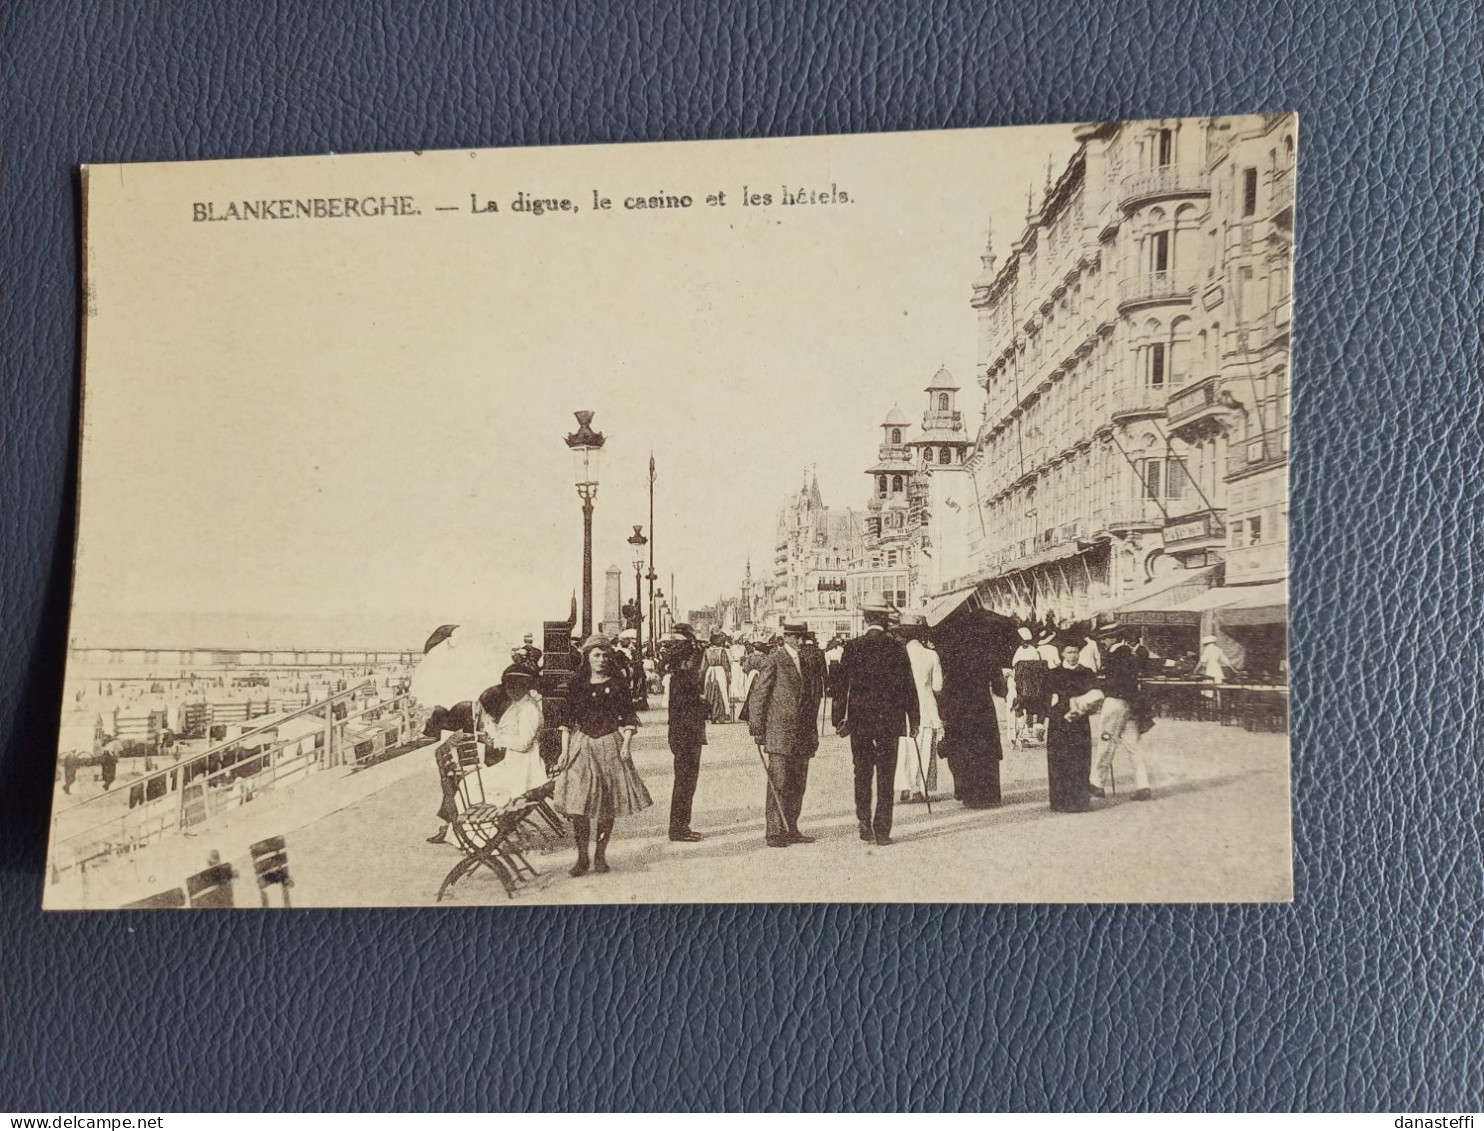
(781, 717)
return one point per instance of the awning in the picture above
(1266, 603)
(1165, 601)
(941, 608)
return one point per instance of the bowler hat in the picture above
(794, 628)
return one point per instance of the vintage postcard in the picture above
(872, 518)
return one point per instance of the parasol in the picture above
(440, 634)
(459, 667)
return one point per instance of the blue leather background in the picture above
(1363, 994)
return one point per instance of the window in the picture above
(1254, 530)
(942, 402)
(896, 435)
(1159, 259)
(896, 484)
(881, 486)
(1164, 147)
(891, 557)
(945, 455)
(1156, 369)
(1153, 474)
(1249, 192)
(1175, 476)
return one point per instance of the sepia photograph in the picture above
(873, 518)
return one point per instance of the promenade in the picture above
(1220, 833)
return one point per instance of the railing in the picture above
(1282, 194)
(1130, 400)
(1157, 286)
(1195, 399)
(933, 419)
(1127, 513)
(1166, 180)
(191, 790)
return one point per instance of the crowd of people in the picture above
(907, 699)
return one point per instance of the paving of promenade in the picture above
(1221, 832)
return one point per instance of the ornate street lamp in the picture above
(638, 542)
(586, 445)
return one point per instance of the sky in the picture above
(344, 432)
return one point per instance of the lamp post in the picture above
(586, 445)
(638, 542)
(652, 576)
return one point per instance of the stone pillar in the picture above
(612, 614)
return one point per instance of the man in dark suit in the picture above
(875, 704)
(781, 710)
(688, 711)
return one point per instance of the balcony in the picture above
(1165, 181)
(1128, 515)
(1257, 452)
(1197, 402)
(933, 421)
(1283, 200)
(1137, 400)
(1156, 288)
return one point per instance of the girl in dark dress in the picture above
(1069, 733)
(597, 781)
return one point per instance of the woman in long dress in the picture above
(516, 732)
(597, 782)
(718, 669)
(1070, 693)
(971, 728)
(917, 755)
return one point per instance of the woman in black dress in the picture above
(968, 647)
(597, 782)
(1069, 731)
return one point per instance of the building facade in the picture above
(1133, 351)
(813, 550)
(890, 563)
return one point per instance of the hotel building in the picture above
(1133, 350)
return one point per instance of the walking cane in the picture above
(772, 788)
(922, 773)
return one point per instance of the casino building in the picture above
(812, 553)
(1133, 351)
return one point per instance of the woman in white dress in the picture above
(917, 767)
(518, 734)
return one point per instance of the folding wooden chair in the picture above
(212, 887)
(270, 862)
(482, 830)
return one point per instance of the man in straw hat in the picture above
(781, 716)
(875, 705)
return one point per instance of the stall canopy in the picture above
(1165, 601)
(1265, 603)
(942, 607)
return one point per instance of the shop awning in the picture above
(1164, 601)
(1265, 603)
(942, 607)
